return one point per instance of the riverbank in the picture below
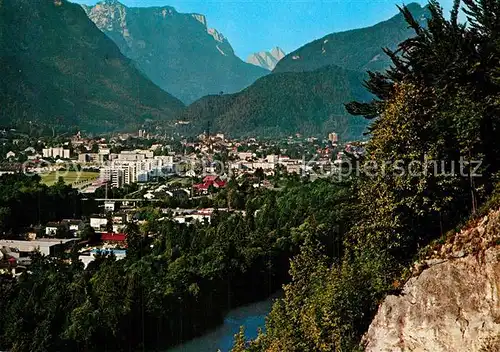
(251, 316)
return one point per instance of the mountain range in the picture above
(177, 51)
(58, 69)
(308, 88)
(267, 59)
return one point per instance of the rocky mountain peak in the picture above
(177, 51)
(109, 15)
(217, 35)
(267, 59)
(278, 53)
(110, 3)
(201, 18)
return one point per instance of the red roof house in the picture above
(208, 181)
(113, 237)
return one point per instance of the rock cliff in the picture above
(452, 302)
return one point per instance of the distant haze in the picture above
(260, 25)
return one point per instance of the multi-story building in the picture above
(264, 165)
(136, 166)
(130, 156)
(272, 158)
(113, 175)
(245, 155)
(56, 152)
(90, 158)
(135, 155)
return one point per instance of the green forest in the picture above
(440, 101)
(284, 103)
(177, 281)
(308, 88)
(58, 70)
(25, 202)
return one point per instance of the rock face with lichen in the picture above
(177, 51)
(452, 302)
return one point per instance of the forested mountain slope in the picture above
(284, 103)
(58, 69)
(308, 88)
(357, 49)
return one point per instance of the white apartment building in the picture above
(113, 175)
(130, 156)
(90, 158)
(245, 155)
(56, 152)
(136, 166)
(272, 158)
(135, 155)
(264, 165)
(96, 222)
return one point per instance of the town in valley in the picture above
(124, 173)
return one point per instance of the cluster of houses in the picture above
(58, 237)
(209, 181)
(15, 254)
(109, 237)
(188, 216)
(29, 153)
(199, 160)
(119, 166)
(164, 190)
(248, 163)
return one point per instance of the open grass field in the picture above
(70, 177)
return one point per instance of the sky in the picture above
(257, 25)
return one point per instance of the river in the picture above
(251, 316)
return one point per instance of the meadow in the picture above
(73, 178)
